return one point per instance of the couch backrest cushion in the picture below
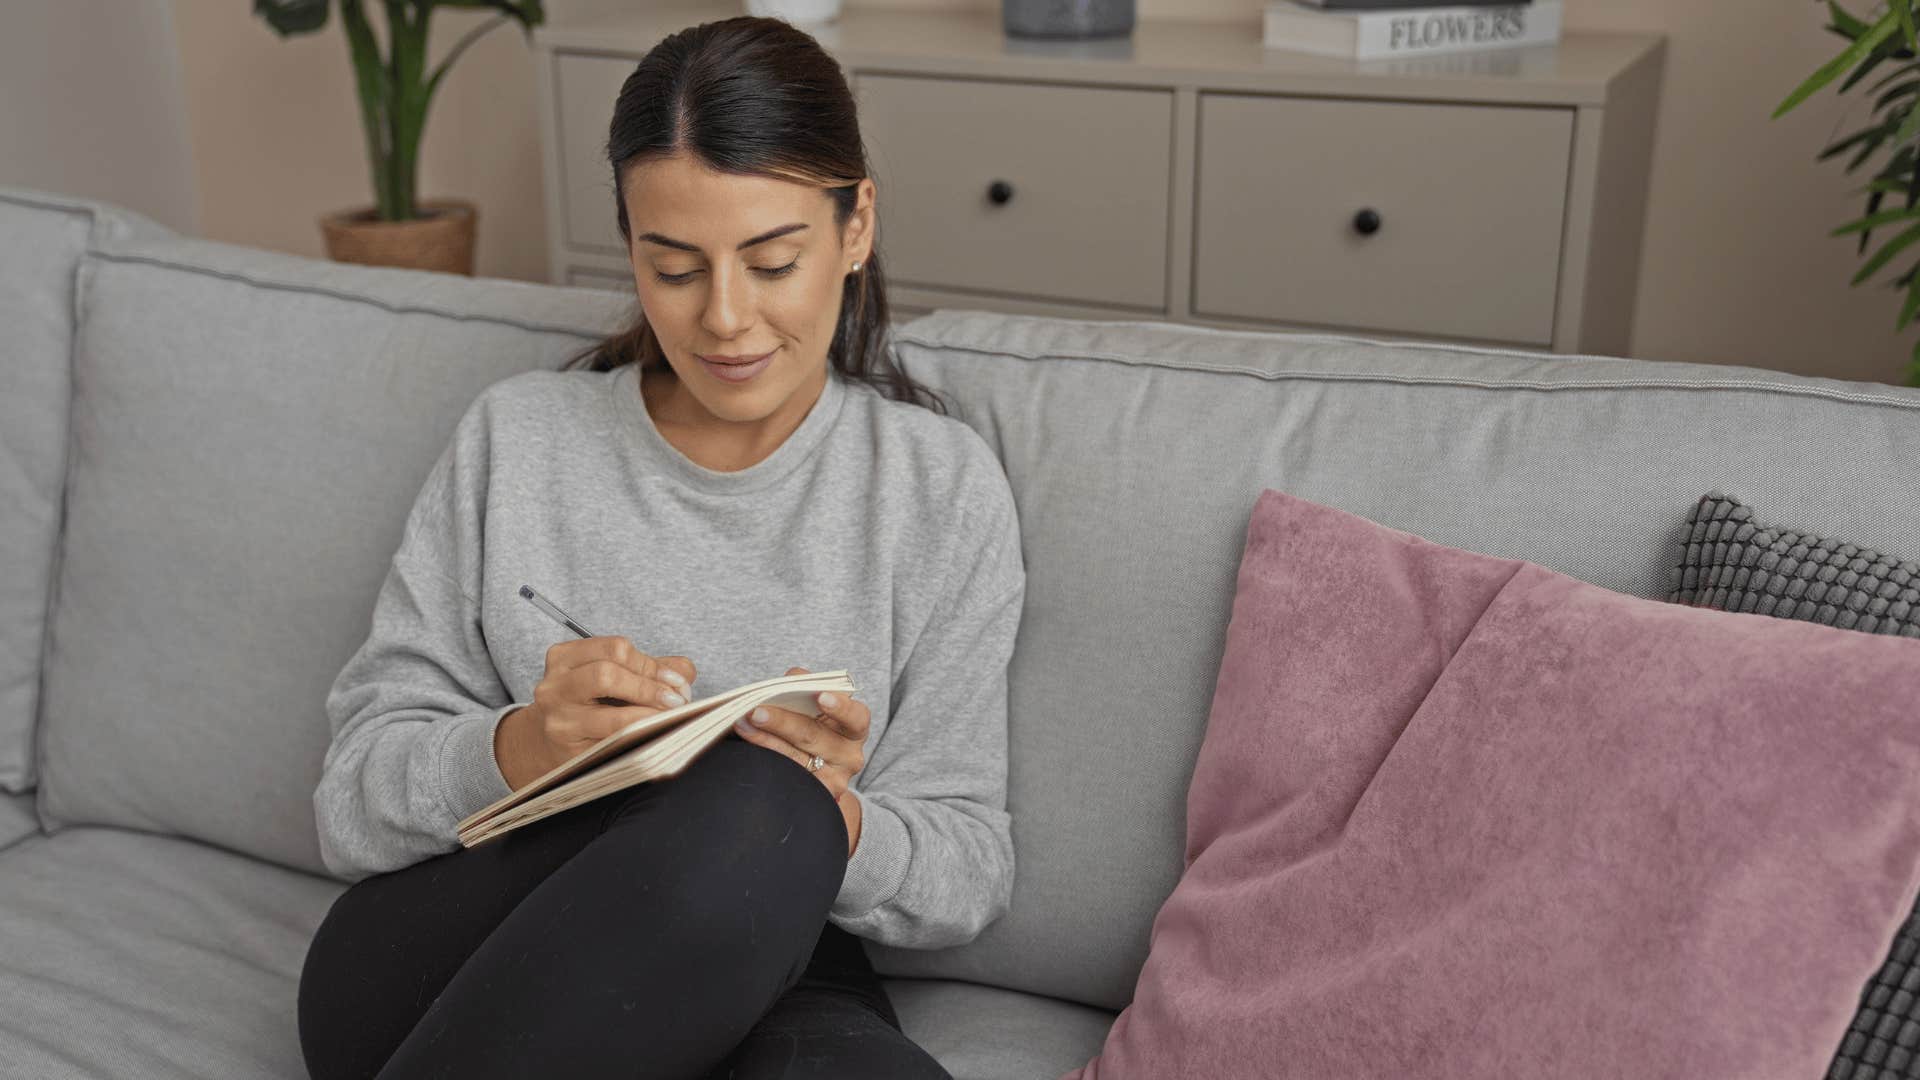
(42, 236)
(1135, 452)
(249, 430)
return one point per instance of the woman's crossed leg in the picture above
(645, 933)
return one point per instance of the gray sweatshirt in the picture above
(880, 538)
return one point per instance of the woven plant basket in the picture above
(441, 238)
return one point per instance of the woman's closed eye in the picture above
(772, 272)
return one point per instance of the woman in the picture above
(743, 517)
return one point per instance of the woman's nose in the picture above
(722, 317)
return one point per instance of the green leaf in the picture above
(446, 64)
(1897, 176)
(1903, 10)
(1900, 169)
(1903, 69)
(1874, 60)
(376, 103)
(1873, 204)
(1843, 23)
(1856, 53)
(1912, 304)
(1876, 134)
(292, 16)
(1909, 127)
(1874, 221)
(1884, 183)
(1866, 152)
(1893, 47)
(1903, 90)
(1880, 258)
(528, 12)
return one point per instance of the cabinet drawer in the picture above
(1470, 201)
(1082, 174)
(585, 88)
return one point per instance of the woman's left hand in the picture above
(838, 735)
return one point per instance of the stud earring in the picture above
(856, 267)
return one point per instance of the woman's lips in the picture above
(737, 373)
(731, 360)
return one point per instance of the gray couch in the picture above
(207, 452)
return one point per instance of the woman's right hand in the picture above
(592, 688)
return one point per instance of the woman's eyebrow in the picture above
(770, 234)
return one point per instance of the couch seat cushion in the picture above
(987, 1033)
(130, 954)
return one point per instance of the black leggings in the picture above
(672, 929)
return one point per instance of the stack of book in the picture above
(1372, 29)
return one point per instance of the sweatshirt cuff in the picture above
(879, 864)
(468, 768)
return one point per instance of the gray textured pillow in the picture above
(1728, 563)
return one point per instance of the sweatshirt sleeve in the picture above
(414, 710)
(934, 864)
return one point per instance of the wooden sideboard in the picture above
(1187, 173)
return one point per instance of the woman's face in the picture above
(706, 295)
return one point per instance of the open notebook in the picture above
(650, 748)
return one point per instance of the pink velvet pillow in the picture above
(1462, 816)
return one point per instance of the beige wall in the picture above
(1738, 267)
(90, 105)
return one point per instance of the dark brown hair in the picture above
(755, 96)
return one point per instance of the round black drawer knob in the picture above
(1367, 222)
(1000, 191)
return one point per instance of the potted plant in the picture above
(1894, 122)
(395, 91)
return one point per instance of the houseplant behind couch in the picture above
(1893, 35)
(395, 93)
(248, 430)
